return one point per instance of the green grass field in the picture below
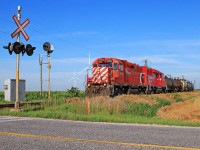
(55, 95)
(72, 105)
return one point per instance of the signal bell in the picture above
(48, 47)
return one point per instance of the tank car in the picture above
(169, 84)
(190, 86)
(179, 84)
(184, 84)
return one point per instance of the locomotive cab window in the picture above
(101, 65)
(115, 66)
(94, 65)
(100, 61)
(108, 63)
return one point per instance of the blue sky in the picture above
(167, 32)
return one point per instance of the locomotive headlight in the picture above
(89, 85)
(104, 85)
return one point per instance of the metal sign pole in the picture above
(49, 67)
(17, 103)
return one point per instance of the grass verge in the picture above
(100, 117)
(100, 112)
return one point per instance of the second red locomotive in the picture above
(112, 76)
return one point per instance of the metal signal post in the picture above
(41, 80)
(49, 83)
(40, 62)
(49, 49)
(17, 103)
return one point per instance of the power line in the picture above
(55, 37)
(66, 41)
(36, 42)
(60, 39)
(72, 43)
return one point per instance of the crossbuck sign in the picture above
(20, 28)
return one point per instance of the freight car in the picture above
(112, 76)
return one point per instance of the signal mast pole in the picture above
(49, 68)
(49, 49)
(40, 62)
(17, 103)
(49, 83)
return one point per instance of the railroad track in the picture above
(22, 104)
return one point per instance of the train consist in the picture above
(112, 76)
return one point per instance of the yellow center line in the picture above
(96, 141)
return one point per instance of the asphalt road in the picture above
(48, 134)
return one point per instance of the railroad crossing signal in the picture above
(18, 47)
(29, 49)
(20, 28)
(9, 47)
(48, 47)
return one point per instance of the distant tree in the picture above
(74, 91)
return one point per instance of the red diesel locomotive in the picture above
(112, 76)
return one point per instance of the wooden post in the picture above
(88, 106)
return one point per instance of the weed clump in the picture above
(144, 109)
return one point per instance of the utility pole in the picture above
(146, 62)
(17, 103)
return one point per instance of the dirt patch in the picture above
(188, 110)
(184, 105)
